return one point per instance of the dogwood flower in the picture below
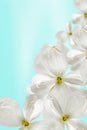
(52, 73)
(82, 6)
(11, 115)
(67, 35)
(66, 110)
(78, 55)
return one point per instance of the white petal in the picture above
(41, 85)
(70, 102)
(56, 105)
(49, 50)
(81, 5)
(83, 93)
(71, 41)
(61, 90)
(75, 106)
(84, 20)
(53, 125)
(68, 27)
(46, 53)
(41, 90)
(44, 79)
(80, 37)
(38, 126)
(10, 113)
(75, 55)
(50, 110)
(63, 48)
(78, 125)
(72, 87)
(33, 107)
(29, 91)
(64, 98)
(53, 65)
(70, 127)
(76, 18)
(52, 50)
(74, 78)
(83, 70)
(61, 36)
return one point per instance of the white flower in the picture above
(66, 110)
(53, 75)
(82, 6)
(78, 55)
(67, 35)
(11, 115)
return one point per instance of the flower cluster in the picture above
(56, 93)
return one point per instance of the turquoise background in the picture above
(25, 26)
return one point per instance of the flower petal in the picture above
(80, 37)
(76, 18)
(71, 41)
(41, 85)
(74, 79)
(81, 5)
(75, 55)
(10, 113)
(69, 27)
(70, 101)
(38, 126)
(37, 79)
(61, 36)
(83, 70)
(53, 125)
(33, 107)
(46, 52)
(41, 90)
(61, 91)
(75, 106)
(50, 65)
(78, 125)
(50, 110)
(63, 49)
(70, 127)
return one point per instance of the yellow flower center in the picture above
(86, 53)
(86, 98)
(25, 123)
(65, 118)
(70, 33)
(85, 15)
(59, 80)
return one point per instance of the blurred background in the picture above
(25, 26)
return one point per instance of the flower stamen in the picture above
(65, 118)
(86, 53)
(25, 123)
(59, 80)
(70, 33)
(85, 15)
